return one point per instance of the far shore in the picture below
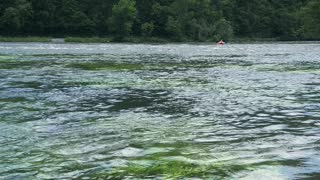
(138, 40)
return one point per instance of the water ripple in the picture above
(118, 110)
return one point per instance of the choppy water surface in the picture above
(159, 111)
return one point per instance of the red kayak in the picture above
(221, 43)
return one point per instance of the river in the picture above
(150, 111)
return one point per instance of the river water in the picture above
(139, 111)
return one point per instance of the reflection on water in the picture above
(159, 111)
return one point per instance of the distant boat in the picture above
(221, 42)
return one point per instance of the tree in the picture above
(223, 30)
(285, 25)
(10, 21)
(74, 20)
(310, 18)
(123, 16)
(147, 29)
(173, 27)
(16, 18)
(196, 20)
(43, 20)
(193, 19)
(159, 18)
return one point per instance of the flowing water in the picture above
(183, 111)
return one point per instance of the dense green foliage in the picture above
(197, 20)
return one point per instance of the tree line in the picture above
(196, 20)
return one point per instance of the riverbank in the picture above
(25, 39)
(115, 40)
(86, 39)
(132, 39)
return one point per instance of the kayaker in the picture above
(221, 42)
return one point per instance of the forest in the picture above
(177, 20)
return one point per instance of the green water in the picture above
(172, 111)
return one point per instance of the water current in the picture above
(150, 111)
